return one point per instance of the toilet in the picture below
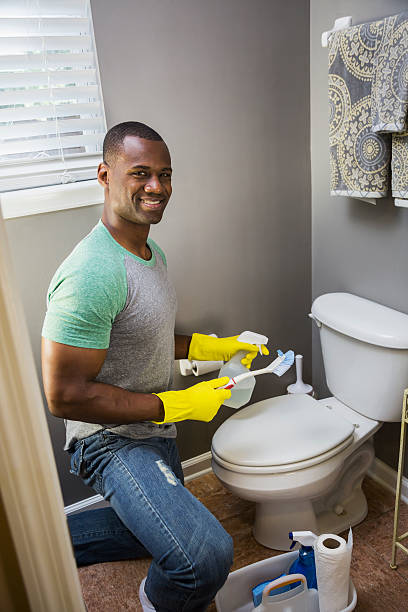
(302, 460)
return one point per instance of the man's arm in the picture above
(181, 346)
(69, 374)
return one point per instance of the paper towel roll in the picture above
(186, 367)
(203, 367)
(333, 557)
(197, 368)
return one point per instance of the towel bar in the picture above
(339, 24)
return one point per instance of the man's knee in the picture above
(206, 564)
(213, 563)
(198, 573)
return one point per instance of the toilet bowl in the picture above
(288, 453)
(302, 460)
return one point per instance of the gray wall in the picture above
(357, 247)
(38, 245)
(227, 85)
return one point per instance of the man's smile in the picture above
(152, 203)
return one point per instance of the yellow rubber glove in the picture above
(208, 348)
(200, 402)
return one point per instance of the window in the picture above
(52, 120)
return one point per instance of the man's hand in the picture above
(208, 348)
(200, 402)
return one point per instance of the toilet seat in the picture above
(281, 434)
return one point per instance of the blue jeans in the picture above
(151, 514)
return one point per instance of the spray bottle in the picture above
(241, 393)
(305, 563)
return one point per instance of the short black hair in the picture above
(113, 141)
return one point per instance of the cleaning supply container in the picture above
(241, 393)
(236, 594)
(300, 599)
(257, 590)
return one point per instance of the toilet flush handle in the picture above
(318, 323)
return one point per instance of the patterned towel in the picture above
(390, 98)
(390, 79)
(361, 105)
(359, 157)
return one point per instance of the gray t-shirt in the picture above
(104, 297)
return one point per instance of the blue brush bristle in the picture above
(286, 363)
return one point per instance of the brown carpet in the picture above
(113, 587)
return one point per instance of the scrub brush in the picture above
(279, 366)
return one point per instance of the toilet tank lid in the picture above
(362, 319)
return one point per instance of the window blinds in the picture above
(52, 120)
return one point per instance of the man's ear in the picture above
(103, 178)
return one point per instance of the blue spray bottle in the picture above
(305, 563)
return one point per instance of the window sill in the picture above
(50, 199)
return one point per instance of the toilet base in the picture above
(343, 506)
(354, 511)
(273, 524)
(274, 520)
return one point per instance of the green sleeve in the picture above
(83, 301)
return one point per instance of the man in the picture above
(108, 353)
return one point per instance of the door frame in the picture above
(29, 483)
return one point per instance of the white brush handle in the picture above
(270, 368)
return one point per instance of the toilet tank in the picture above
(365, 353)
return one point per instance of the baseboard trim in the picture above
(200, 465)
(192, 468)
(83, 504)
(196, 466)
(387, 477)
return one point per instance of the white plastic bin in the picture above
(236, 594)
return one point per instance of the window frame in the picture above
(31, 199)
(25, 202)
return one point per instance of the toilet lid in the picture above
(280, 430)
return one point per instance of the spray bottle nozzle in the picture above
(253, 338)
(305, 538)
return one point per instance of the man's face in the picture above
(139, 180)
